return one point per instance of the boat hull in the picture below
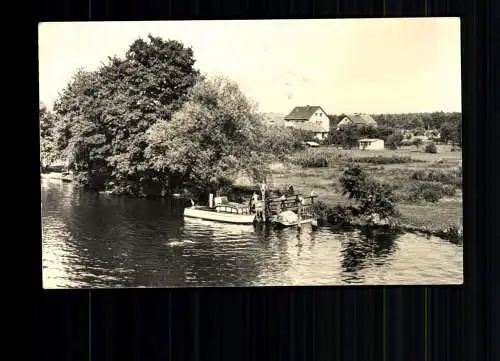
(291, 219)
(284, 224)
(209, 215)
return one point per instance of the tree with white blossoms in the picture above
(213, 136)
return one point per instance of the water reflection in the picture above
(96, 241)
(368, 249)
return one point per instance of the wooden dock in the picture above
(302, 206)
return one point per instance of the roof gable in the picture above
(361, 119)
(311, 127)
(303, 113)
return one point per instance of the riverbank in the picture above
(441, 217)
(406, 171)
(419, 223)
(146, 243)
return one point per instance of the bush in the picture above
(384, 160)
(373, 197)
(280, 141)
(391, 142)
(310, 160)
(314, 158)
(451, 177)
(334, 215)
(417, 142)
(453, 233)
(285, 189)
(430, 148)
(430, 191)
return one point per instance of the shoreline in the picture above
(55, 176)
(442, 218)
(451, 231)
(413, 217)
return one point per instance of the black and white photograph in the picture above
(251, 153)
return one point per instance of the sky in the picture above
(345, 66)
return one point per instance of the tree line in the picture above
(416, 122)
(150, 123)
(399, 129)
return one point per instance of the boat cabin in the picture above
(221, 204)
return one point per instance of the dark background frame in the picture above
(296, 323)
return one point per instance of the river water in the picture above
(92, 241)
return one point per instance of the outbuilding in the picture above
(371, 144)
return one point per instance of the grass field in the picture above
(324, 181)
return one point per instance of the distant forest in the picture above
(409, 121)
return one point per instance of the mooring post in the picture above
(299, 214)
(264, 210)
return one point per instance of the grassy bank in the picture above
(427, 185)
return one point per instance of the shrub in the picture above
(451, 177)
(430, 148)
(310, 160)
(333, 215)
(372, 196)
(394, 140)
(301, 135)
(453, 233)
(280, 141)
(417, 143)
(285, 189)
(384, 160)
(391, 142)
(314, 158)
(430, 191)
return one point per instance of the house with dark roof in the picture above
(357, 119)
(309, 118)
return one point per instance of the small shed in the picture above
(371, 144)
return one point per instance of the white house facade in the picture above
(309, 118)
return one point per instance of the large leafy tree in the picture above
(349, 136)
(448, 132)
(105, 113)
(214, 135)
